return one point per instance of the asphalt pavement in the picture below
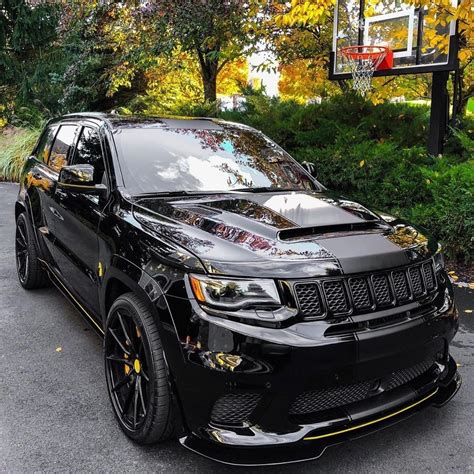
(55, 414)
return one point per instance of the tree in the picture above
(27, 54)
(215, 32)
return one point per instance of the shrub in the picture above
(450, 212)
(15, 146)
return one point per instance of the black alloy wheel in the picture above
(30, 273)
(21, 250)
(135, 372)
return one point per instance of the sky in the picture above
(269, 79)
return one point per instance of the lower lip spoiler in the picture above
(312, 447)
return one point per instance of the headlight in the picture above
(234, 294)
(439, 258)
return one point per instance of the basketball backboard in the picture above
(408, 31)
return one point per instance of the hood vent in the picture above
(335, 230)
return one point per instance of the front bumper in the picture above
(387, 411)
(278, 365)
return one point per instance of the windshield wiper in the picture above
(265, 189)
(176, 194)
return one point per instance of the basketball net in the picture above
(363, 62)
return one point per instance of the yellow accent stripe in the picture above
(378, 420)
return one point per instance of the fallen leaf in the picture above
(59, 349)
(362, 163)
(454, 277)
(458, 364)
(452, 272)
(471, 286)
(469, 311)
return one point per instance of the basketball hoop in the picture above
(363, 61)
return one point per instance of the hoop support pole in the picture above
(439, 112)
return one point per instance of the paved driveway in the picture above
(55, 413)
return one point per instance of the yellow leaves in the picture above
(361, 163)
(304, 80)
(471, 286)
(453, 276)
(304, 13)
(468, 311)
(59, 349)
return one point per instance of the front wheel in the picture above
(136, 373)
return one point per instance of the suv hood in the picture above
(296, 234)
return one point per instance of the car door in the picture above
(76, 244)
(40, 182)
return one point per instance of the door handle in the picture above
(56, 213)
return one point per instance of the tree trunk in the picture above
(210, 87)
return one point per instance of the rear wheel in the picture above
(30, 272)
(135, 370)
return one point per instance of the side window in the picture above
(62, 145)
(44, 145)
(89, 152)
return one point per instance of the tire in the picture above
(143, 408)
(30, 272)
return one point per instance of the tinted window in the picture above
(89, 151)
(221, 159)
(61, 150)
(44, 145)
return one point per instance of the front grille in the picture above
(429, 276)
(416, 281)
(234, 408)
(364, 293)
(400, 284)
(336, 296)
(404, 376)
(360, 293)
(381, 289)
(309, 299)
(326, 398)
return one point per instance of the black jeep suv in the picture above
(245, 309)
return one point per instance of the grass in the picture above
(15, 147)
(470, 106)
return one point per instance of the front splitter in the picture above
(313, 446)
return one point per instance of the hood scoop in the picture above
(335, 230)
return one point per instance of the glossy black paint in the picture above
(98, 246)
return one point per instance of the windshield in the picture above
(158, 160)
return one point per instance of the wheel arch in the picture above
(20, 208)
(124, 276)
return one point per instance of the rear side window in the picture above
(44, 145)
(62, 147)
(89, 152)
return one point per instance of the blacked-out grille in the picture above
(309, 299)
(406, 375)
(400, 284)
(313, 401)
(381, 289)
(336, 296)
(326, 398)
(234, 408)
(360, 293)
(429, 276)
(365, 293)
(416, 280)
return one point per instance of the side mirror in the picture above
(309, 167)
(79, 179)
